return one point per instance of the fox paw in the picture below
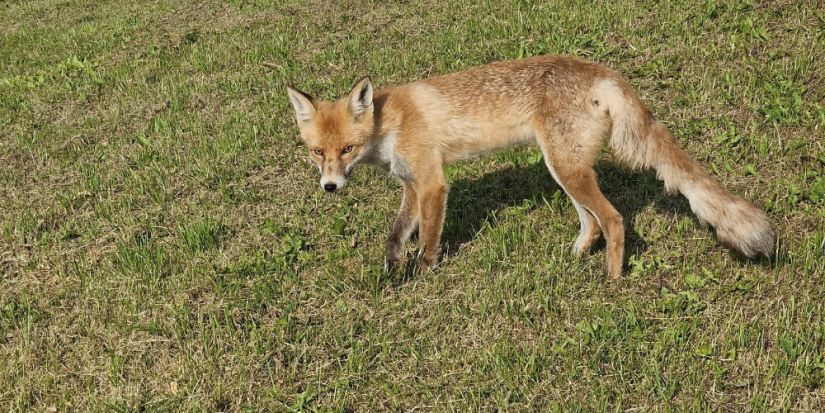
(391, 265)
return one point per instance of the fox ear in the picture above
(304, 109)
(359, 100)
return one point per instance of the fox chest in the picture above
(389, 161)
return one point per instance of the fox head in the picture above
(338, 134)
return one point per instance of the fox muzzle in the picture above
(333, 183)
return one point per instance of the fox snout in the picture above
(334, 173)
(332, 183)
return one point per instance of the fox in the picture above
(569, 106)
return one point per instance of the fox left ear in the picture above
(360, 98)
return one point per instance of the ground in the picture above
(164, 245)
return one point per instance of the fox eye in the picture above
(347, 149)
(318, 152)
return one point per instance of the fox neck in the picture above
(383, 123)
(382, 150)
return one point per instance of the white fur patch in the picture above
(384, 156)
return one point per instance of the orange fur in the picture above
(567, 105)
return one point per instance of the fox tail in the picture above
(639, 141)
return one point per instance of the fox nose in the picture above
(330, 187)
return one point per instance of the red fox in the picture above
(567, 105)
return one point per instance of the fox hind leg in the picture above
(579, 181)
(569, 157)
(590, 229)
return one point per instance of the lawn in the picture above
(164, 244)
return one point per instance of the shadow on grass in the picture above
(475, 201)
(472, 202)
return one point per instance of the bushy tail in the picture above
(639, 141)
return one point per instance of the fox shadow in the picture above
(473, 202)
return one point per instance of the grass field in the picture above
(164, 245)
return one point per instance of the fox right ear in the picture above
(304, 109)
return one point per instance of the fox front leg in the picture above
(432, 203)
(405, 223)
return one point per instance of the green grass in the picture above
(164, 245)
